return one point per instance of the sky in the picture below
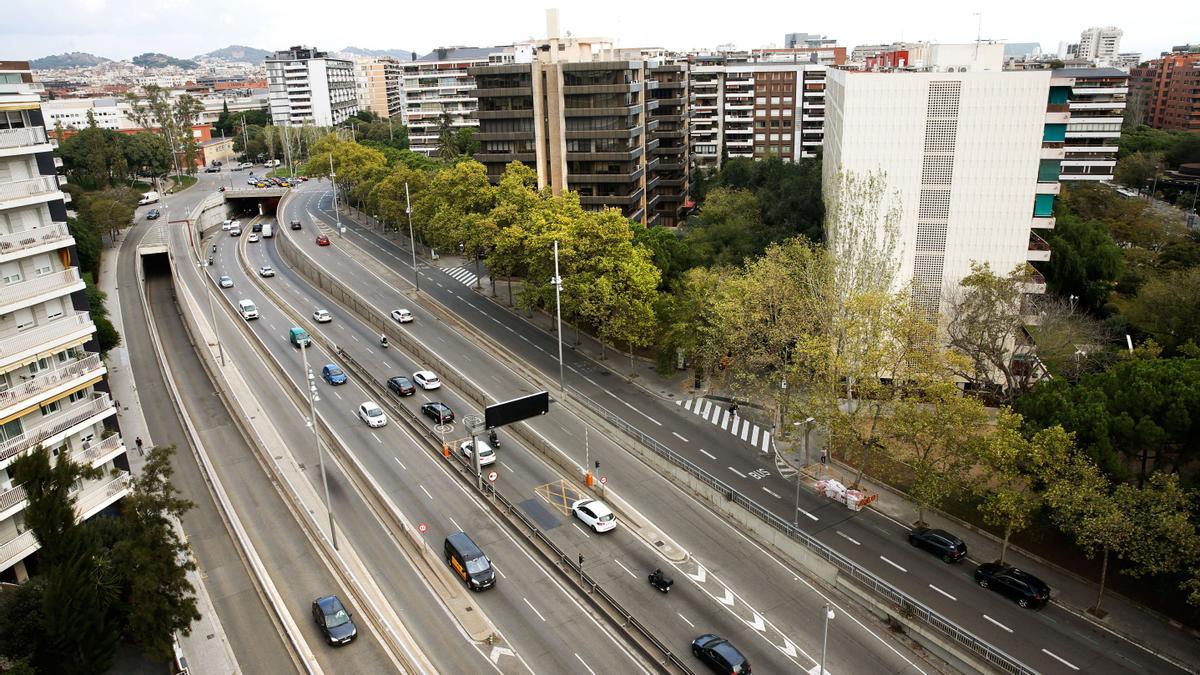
(121, 29)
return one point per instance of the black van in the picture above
(465, 558)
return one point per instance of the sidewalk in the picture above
(207, 649)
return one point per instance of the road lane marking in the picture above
(426, 492)
(354, 337)
(1060, 659)
(689, 623)
(725, 421)
(997, 623)
(736, 471)
(772, 493)
(497, 568)
(441, 286)
(625, 568)
(810, 515)
(708, 454)
(892, 564)
(746, 430)
(707, 406)
(680, 437)
(539, 614)
(943, 592)
(631, 407)
(377, 438)
(591, 382)
(338, 395)
(400, 463)
(585, 665)
(848, 538)
(581, 530)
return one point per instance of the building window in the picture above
(761, 100)
(760, 137)
(787, 100)
(50, 408)
(774, 137)
(774, 100)
(787, 112)
(78, 396)
(787, 149)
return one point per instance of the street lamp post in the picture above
(807, 462)
(412, 242)
(828, 612)
(333, 183)
(211, 316)
(557, 281)
(313, 397)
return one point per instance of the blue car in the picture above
(332, 374)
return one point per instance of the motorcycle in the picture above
(383, 342)
(494, 439)
(661, 581)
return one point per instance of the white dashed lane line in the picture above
(707, 454)
(680, 437)
(1060, 659)
(689, 623)
(581, 531)
(771, 493)
(625, 568)
(848, 538)
(539, 614)
(585, 665)
(400, 463)
(943, 592)
(892, 564)
(426, 492)
(736, 471)
(812, 516)
(1006, 628)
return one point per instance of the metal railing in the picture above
(52, 425)
(19, 138)
(45, 335)
(904, 604)
(45, 380)
(23, 290)
(16, 242)
(28, 188)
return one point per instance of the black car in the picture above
(720, 655)
(152, 214)
(401, 386)
(257, 227)
(333, 620)
(939, 542)
(1026, 589)
(295, 224)
(439, 412)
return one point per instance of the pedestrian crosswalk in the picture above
(718, 414)
(462, 275)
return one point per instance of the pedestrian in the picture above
(138, 443)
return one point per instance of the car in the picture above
(257, 227)
(225, 282)
(372, 414)
(252, 238)
(939, 542)
(212, 169)
(245, 165)
(152, 214)
(322, 240)
(322, 316)
(439, 412)
(719, 654)
(251, 180)
(402, 315)
(487, 454)
(284, 184)
(595, 514)
(235, 231)
(295, 224)
(334, 621)
(425, 379)
(266, 271)
(1026, 589)
(261, 184)
(333, 375)
(402, 386)
(226, 225)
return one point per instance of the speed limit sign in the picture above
(422, 527)
(603, 480)
(492, 476)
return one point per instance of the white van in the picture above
(235, 228)
(148, 198)
(247, 309)
(268, 230)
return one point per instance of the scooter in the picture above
(383, 342)
(494, 440)
(661, 581)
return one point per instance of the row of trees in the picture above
(96, 158)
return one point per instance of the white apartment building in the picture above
(307, 86)
(113, 113)
(437, 84)
(1100, 45)
(53, 391)
(754, 105)
(378, 85)
(972, 157)
(1095, 99)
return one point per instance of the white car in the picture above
(266, 271)
(252, 238)
(595, 514)
(225, 282)
(371, 414)
(226, 225)
(321, 316)
(402, 315)
(425, 379)
(487, 454)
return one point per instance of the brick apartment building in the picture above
(1166, 90)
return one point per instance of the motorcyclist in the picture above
(657, 576)
(493, 438)
(383, 341)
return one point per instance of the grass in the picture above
(139, 185)
(184, 182)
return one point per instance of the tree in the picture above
(148, 154)
(94, 157)
(1085, 263)
(985, 325)
(1137, 170)
(1165, 540)
(1167, 308)
(447, 148)
(87, 244)
(729, 231)
(185, 113)
(106, 334)
(110, 211)
(1069, 343)
(22, 619)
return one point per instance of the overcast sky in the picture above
(185, 28)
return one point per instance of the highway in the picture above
(1049, 640)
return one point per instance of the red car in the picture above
(322, 240)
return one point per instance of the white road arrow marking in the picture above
(499, 651)
(700, 574)
(728, 599)
(757, 624)
(788, 648)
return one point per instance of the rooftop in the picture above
(459, 54)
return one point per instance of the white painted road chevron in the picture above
(461, 274)
(719, 416)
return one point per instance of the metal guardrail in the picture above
(905, 604)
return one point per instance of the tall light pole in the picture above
(557, 281)
(807, 462)
(212, 317)
(828, 612)
(311, 385)
(412, 242)
(333, 183)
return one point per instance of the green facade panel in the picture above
(1043, 206)
(1054, 133)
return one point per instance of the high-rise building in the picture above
(307, 86)
(755, 105)
(1166, 90)
(584, 117)
(53, 391)
(1100, 45)
(1095, 99)
(972, 158)
(437, 85)
(377, 85)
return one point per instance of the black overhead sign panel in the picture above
(516, 410)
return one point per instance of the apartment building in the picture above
(756, 104)
(53, 391)
(1166, 90)
(378, 85)
(584, 118)
(1095, 98)
(1099, 45)
(306, 86)
(113, 113)
(792, 40)
(973, 158)
(670, 155)
(438, 84)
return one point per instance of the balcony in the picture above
(88, 502)
(1097, 105)
(612, 200)
(1048, 188)
(1034, 281)
(1096, 91)
(31, 242)
(27, 192)
(1057, 117)
(53, 428)
(97, 454)
(1043, 222)
(17, 549)
(1052, 152)
(33, 341)
(1039, 249)
(49, 383)
(53, 285)
(23, 141)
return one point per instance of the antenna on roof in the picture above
(978, 32)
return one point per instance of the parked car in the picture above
(295, 224)
(322, 316)
(372, 414)
(595, 514)
(252, 238)
(487, 454)
(1026, 589)
(225, 282)
(402, 315)
(939, 542)
(322, 240)
(425, 379)
(152, 214)
(333, 620)
(333, 375)
(265, 270)
(402, 386)
(439, 412)
(719, 654)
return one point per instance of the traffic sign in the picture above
(492, 476)
(603, 480)
(422, 527)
